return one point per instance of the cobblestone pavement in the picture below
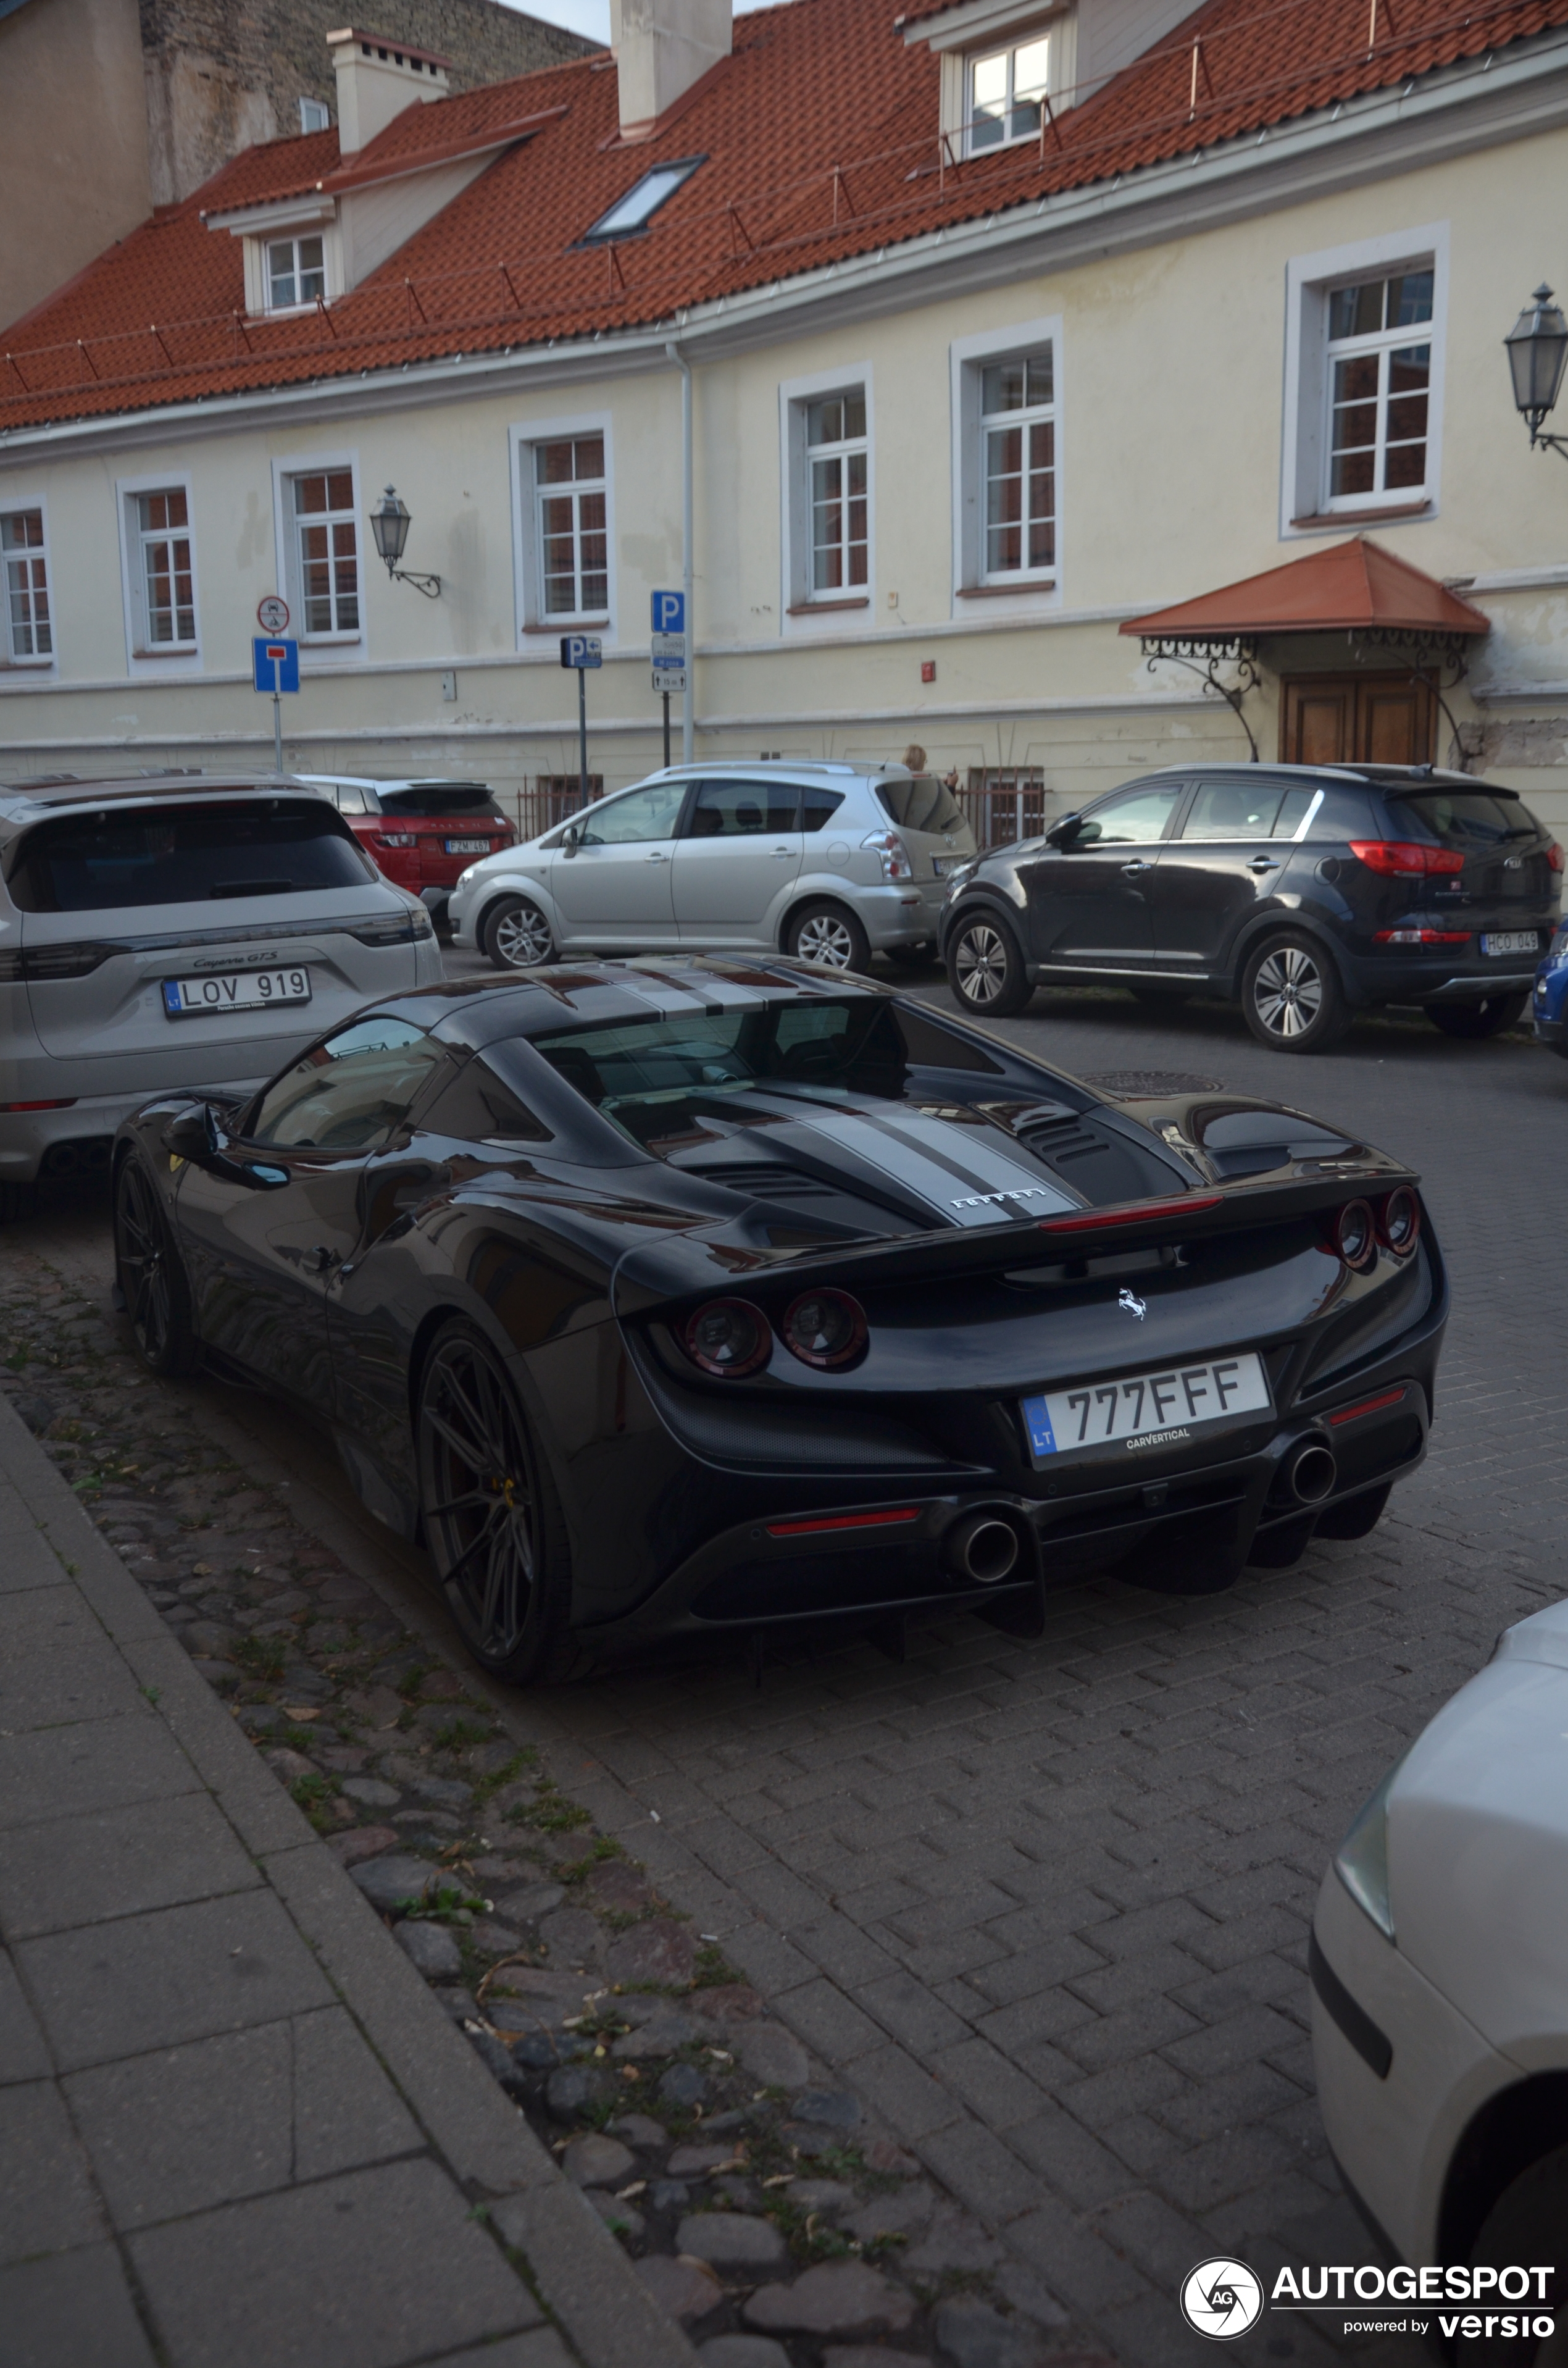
(1041, 1908)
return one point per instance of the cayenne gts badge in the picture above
(1134, 1304)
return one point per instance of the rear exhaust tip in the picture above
(1312, 1473)
(983, 1548)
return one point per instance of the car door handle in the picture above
(1264, 863)
(655, 855)
(1135, 867)
(783, 853)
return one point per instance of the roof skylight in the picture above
(642, 201)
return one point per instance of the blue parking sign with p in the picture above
(669, 612)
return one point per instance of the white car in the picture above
(1439, 1974)
(830, 862)
(175, 929)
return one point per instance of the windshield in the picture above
(922, 802)
(654, 1076)
(183, 855)
(1473, 820)
(439, 798)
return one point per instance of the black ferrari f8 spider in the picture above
(705, 1294)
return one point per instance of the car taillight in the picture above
(1421, 937)
(397, 838)
(1399, 1220)
(728, 1336)
(396, 933)
(1554, 856)
(69, 1103)
(825, 1328)
(1397, 857)
(1354, 1235)
(891, 853)
(52, 961)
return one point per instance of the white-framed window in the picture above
(314, 115)
(838, 456)
(563, 525)
(26, 633)
(572, 526)
(322, 529)
(1364, 381)
(1006, 412)
(829, 532)
(1380, 381)
(158, 573)
(295, 269)
(1005, 90)
(1018, 466)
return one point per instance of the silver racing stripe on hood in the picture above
(964, 1173)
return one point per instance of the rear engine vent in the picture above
(766, 1179)
(1102, 1167)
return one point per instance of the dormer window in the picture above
(641, 202)
(1006, 90)
(296, 273)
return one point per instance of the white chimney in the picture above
(662, 47)
(377, 78)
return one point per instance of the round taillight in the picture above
(1399, 1220)
(728, 1336)
(1355, 1236)
(824, 1328)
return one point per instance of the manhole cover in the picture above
(1126, 1084)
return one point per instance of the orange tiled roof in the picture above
(1352, 585)
(819, 140)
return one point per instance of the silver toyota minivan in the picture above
(829, 862)
(175, 929)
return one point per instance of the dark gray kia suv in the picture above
(1306, 892)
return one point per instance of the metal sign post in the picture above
(275, 668)
(669, 647)
(581, 651)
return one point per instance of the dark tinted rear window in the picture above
(818, 807)
(439, 798)
(184, 855)
(1473, 820)
(922, 802)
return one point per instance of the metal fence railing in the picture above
(549, 797)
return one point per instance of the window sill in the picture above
(1371, 517)
(330, 640)
(825, 608)
(1006, 591)
(27, 665)
(559, 625)
(180, 651)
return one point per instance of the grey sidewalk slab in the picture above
(234, 2125)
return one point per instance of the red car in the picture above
(421, 833)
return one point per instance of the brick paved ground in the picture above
(1045, 1905)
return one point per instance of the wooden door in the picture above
(1380, 718)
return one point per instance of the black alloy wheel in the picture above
(985, 967)
(830, 935)
(1490, 1017)
(492, 1521)
(151, 1275)
(1291, 999)
(517, 935)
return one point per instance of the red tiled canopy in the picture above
(1356, 584)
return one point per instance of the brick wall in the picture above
(219, 78)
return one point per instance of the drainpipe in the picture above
(684, 367)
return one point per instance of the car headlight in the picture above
(1361, 1861)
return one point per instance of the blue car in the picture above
(1551, 992)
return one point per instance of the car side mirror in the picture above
(198, 1138)
(1064, 831)
(570, 843)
